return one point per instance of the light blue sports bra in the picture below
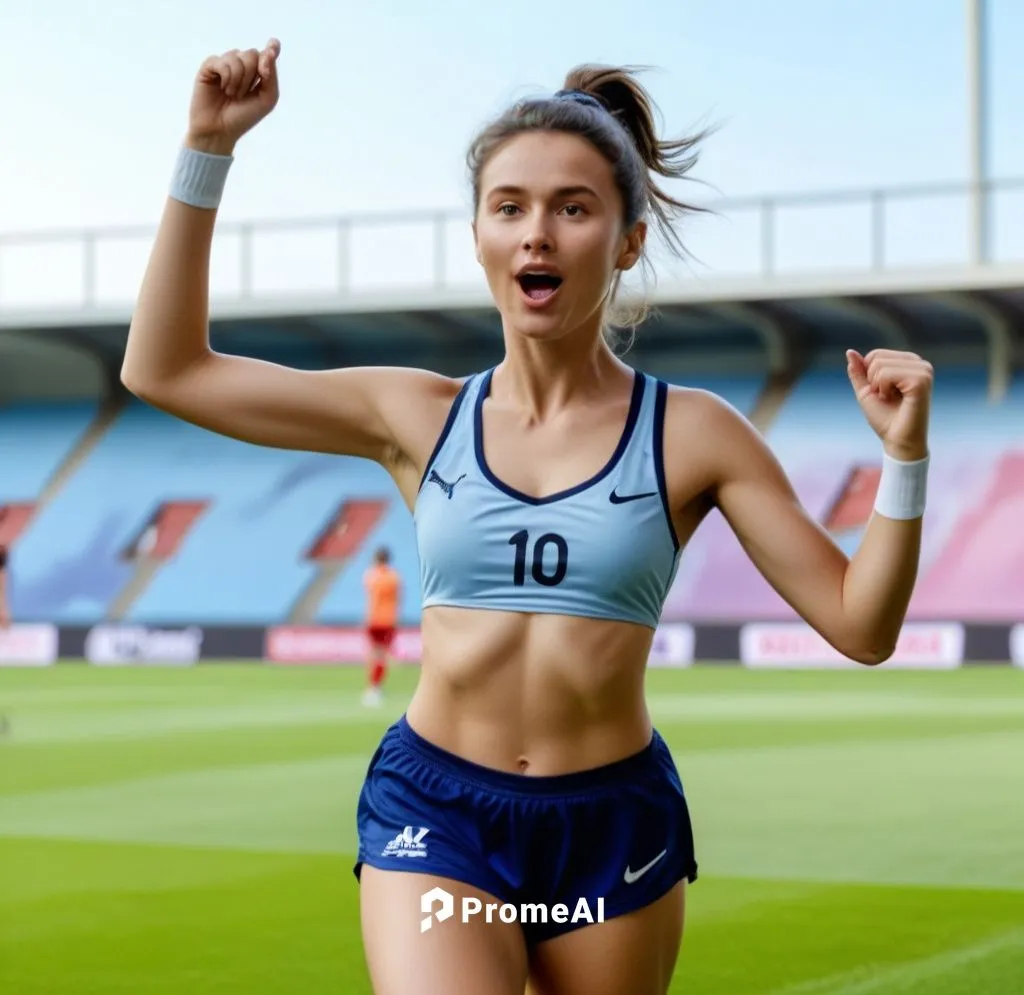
(605, 548)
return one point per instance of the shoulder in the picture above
(422, 393)
(440, 386)
(414, 404)
(413, 383)
(692, 408)
(721, 439)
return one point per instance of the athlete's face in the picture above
(549, 233)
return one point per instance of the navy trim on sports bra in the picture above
(620, 449)
(453, 412)
(660, 399)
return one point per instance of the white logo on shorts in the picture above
(408, 843)
(630, 876)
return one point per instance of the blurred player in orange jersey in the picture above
(5, 611)
(383, 589)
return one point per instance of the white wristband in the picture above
(902, 488)
(199, 178)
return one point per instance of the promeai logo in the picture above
(533, 912)
(428, 899)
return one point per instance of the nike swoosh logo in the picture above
(623, 498)
(630, 876)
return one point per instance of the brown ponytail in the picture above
(630, 105)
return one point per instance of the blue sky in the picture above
(379, 101)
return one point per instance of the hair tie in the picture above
(580, 97)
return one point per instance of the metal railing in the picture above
(848, 231)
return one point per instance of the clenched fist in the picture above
(233, 93)
(894, 390)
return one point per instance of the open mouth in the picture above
(539, 287)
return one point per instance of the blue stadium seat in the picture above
(346, 602)
(34, 440)
(243, 560)
(819, 435)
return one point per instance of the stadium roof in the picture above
(435, 309)
(773, 322)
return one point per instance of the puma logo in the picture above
(449, 489)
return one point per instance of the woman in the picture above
(552, 496)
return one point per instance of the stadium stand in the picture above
(242, 562)
(34, 440)
(146, 519)
(244, 559)
(972, 558)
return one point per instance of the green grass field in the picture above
(192, 830)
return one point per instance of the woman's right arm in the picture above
(169, 364)
(168, 360)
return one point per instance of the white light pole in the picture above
(977, 108)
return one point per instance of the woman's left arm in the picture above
(857, 604)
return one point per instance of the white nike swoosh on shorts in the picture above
(630, 876)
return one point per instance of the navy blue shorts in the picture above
(621, 832)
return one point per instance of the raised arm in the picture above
(857, 604)
(168, 361)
